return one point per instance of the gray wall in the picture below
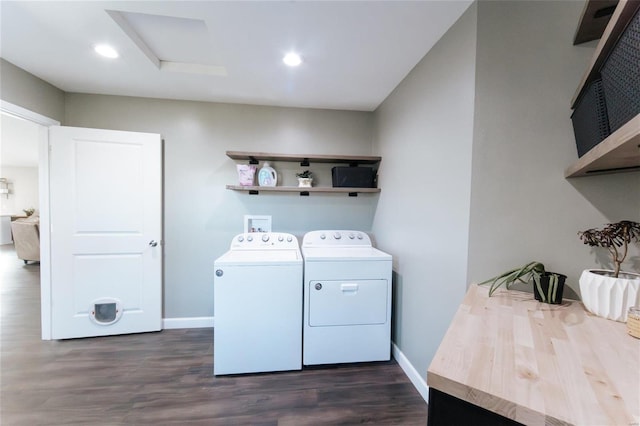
(201, 216)
(522, 208)
(424, 133)
(28, 91)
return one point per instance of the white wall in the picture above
(201, 216)
(424, 133)
(23, 184)
(522, 207)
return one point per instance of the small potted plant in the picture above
(548, 286)
(610, 293)
(305, 179)
(29, 211)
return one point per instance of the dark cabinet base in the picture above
(447, 410)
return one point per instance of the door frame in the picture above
(43, 199)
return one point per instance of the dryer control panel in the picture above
(336, 238)
(264, 241)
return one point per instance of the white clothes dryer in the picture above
(347, 299)
(258, 305)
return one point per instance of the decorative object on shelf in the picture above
(610, 293)
(305, 179)
(267, 176)
(4, 187)
(29, 211)
(548, 286)
(246, 174)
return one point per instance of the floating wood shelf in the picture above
(302, 190)
(619, 152)
(594, 19)
(618, 22)
(304, 159)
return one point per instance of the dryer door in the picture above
(352, 302)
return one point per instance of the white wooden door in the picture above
(106, 232)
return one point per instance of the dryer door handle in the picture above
(349, 287)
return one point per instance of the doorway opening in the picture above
(41, 126)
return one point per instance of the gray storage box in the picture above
(590, 122)
(621, 77)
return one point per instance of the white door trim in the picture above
(18, 111)
(43, 184)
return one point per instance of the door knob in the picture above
(153, 243)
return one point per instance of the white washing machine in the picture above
(258, 305)
(347, 299)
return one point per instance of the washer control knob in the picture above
(249, 238)
(240, 238)
(289, 239)
(219, 273)
(359, 236)
(322, 236)
(351, 236)
(265, 237)
(318, 286)
(280, 238)
(337, 236)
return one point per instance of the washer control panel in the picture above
(264, 240)
(339, 238)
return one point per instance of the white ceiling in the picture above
(355, 52)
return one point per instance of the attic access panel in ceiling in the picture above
(172, 43)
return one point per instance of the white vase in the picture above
(609, 297)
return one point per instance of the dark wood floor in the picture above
(166, 378)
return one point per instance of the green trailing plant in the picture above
(305, 175)
(615, 237)
(29, 211)
(532, 271)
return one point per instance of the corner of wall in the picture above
(21, 88)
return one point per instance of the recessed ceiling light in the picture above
(106, 51)
(292, 59)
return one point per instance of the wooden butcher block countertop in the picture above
(537, 363)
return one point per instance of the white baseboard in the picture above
(194, 322)
(411, 372)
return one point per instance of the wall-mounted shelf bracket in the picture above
(304, 193)
(353, 194)
(253, 160)
(304, 162)
(253, 192)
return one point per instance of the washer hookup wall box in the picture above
(253, 223)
